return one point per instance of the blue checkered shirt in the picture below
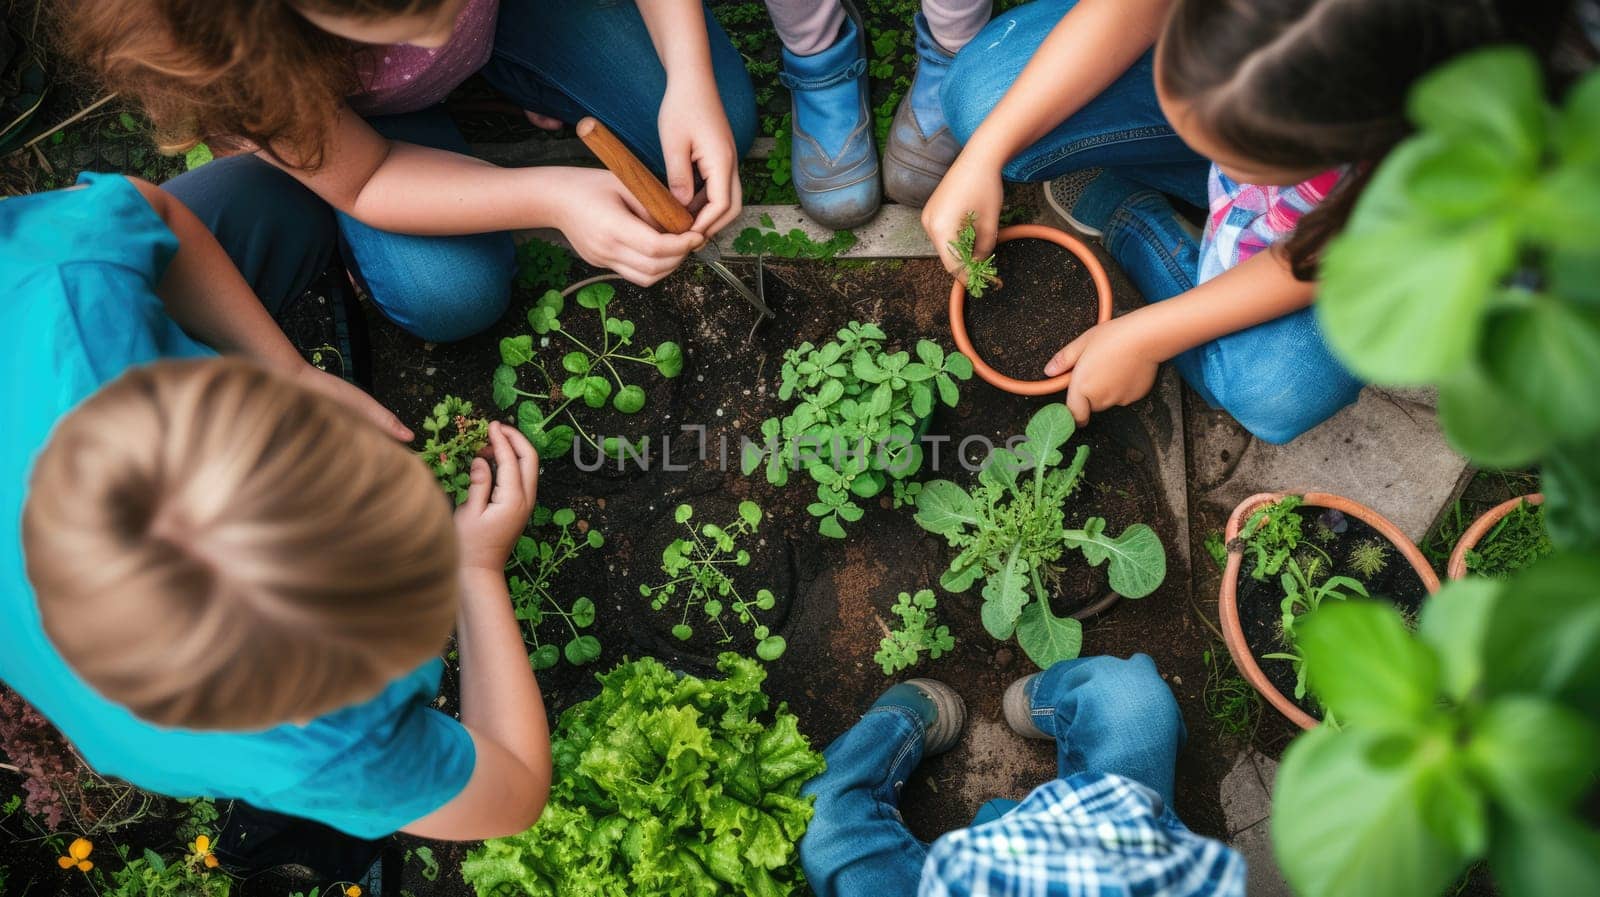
(1092, 835)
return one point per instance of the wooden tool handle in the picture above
(669, 214)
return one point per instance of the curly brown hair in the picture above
(254, 73)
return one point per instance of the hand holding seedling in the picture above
(498, 506)
(1110, 366)
(971, 193)
(976, 269)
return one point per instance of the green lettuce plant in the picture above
(1471, 263)
(532, 572)
(856, 423)
(1473, 739)
(918, 633)
(665, 786)
(455, 436)
(698, 579)
(591, 376)
(1011, 533)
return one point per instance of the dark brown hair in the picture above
(1303, 84)
(246, 71)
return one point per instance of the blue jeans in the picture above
(1277, 379)
(1108, 715)
(566, 59)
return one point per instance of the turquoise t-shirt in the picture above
(78, 270)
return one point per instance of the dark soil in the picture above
(1047, 300)
(1260, 613)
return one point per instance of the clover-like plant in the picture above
(919, 633)
(858, 418)
(698, 571)
(1011, 531)
(533, 569)
(979, 274)
(455, 436)
(590, 375)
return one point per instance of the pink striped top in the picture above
(1246, 218)
(402, 78)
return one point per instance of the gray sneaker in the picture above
(1018, 707)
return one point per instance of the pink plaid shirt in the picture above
(1246, 219)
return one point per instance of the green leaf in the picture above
(771, 648)
(198, 155)
(576, 362)
(544, 657)
(1365, 812)
(683, 513)
(582, 649)
(555, 442)
(1455, 623)
(1486, 425)
(516, 351)
(1050, 428)
(1547, 634)
(945, 508)
(1548, 353)
(1365, 666)
(629, 400)
(564, 517)
(1552, 857)
(1572, 497)
(831, 527)
(682, 632)
(525, 550)
(1494, 95)
(530, 420)
(668, 359)
(1138, 560)
(750, 513)
(596, 295)
(930, 353)
(596, 391)
(1046, 638)
(1005, 592)
(505, 386)
(1535, 756)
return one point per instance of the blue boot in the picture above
(920, 147)
(835, 163)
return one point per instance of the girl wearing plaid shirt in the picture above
(1270, 115)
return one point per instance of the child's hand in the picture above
(609, 228)
(695, 135)
(495, 512)
(318, 380)
(1110, 366)
(970, 185)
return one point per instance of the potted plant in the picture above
(980, 273)
(1283, 570)
(1520, 519)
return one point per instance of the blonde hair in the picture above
(216, 548)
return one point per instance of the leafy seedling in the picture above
(1302, 594)
(1369, 558)
(796, 244)
(455, 436)
(1010, 532)
(698, 580)
(533, 570)
(589, 377)
(979, 274)
(1272, 534)
(542, 265)
(1515, 543)
(858, 416)
(918, 634)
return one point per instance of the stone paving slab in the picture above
(1247, 806)
(895, 232)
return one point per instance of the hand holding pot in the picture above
(1110, 366)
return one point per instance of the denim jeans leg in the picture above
(856, 843)
(1122, 128)
(1111, 715)
(1277, 379)
(279, 234)
(440, 289)
(575, 58)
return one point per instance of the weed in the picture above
(697, 570)
(455, 436)
(532, 571)
(979, 274)
(1515, 543)
(542, 265)
(1369, 557)
(919, 633)
(1272, 534)
(1230, 701)
(1217, 549)
(793, 245)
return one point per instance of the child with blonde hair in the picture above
(226, 576)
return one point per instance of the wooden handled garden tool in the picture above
(658, 201)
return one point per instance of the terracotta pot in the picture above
(1228, 605)
(1481, 528)
(958, 309)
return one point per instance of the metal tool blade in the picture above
(712, 258)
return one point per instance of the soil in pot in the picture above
(1260, 602)
(1048, 300)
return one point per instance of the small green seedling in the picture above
(698, 578)
(918, 634)
(796, 244)
(857, 421)
(979, 274)
(1369, 558)
(542, 265)
(1272, 534)
(1011, 531)
(591, 377)
(1302, 594)
(455, 436)
(533, 569)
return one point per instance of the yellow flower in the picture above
(77, 856)
(210, 861)
(352, 891)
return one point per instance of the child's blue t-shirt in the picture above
(78, 272)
